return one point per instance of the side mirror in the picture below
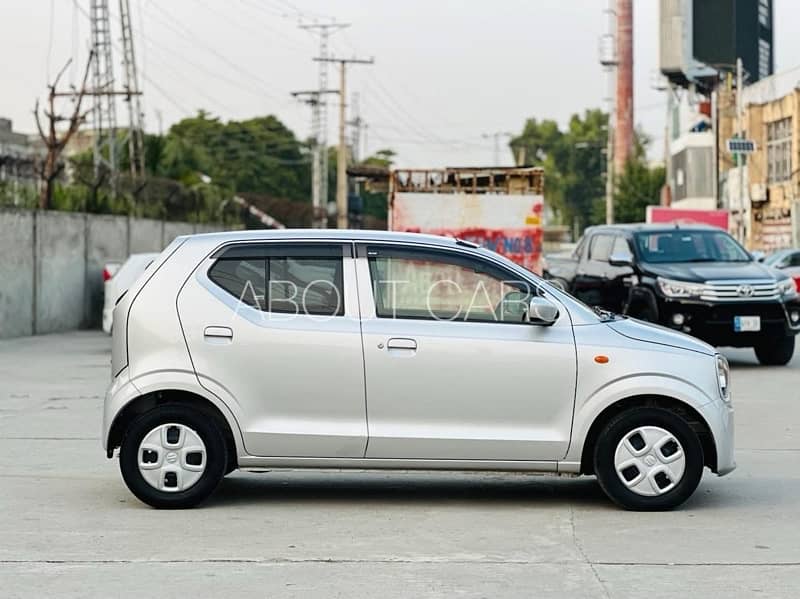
(541, 311)
(758, 255)
(621, 259)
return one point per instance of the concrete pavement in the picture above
(70, 528)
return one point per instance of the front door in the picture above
(273, 330)
(452, 371)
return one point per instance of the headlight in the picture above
(672, 288)
(787, 288)
(724, 378)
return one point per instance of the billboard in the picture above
(661, 214)
(509, 224)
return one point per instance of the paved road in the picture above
(69, 527)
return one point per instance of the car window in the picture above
(679, 245)
(620, 246)
(601, 246)
(795, 259)
(293, 279)
(436, 285)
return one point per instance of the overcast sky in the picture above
(446, 72)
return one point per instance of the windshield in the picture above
(689, 246)
(775, 258)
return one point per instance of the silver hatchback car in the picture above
(377, 350)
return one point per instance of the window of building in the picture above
(779, 150)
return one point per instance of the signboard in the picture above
(509, 224)
(663, 214)
(741, 146)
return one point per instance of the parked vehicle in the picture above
(692, 278)
(117, 280)
(268, 349)
(783, 259)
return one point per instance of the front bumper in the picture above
(713, 323)
(719, 416)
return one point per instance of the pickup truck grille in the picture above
(740, 291)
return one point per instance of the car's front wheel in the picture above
(648, 459)
(173, 457)
(776, 352)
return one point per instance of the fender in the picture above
(125, 390)
(623, 388)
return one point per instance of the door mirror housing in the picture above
(541, 311)
(758, 256)
(621, 259)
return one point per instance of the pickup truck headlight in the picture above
(672, 288)
(724, 378)
(787, 288)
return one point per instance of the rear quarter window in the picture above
(288, 279)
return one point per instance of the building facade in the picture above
(768, 189)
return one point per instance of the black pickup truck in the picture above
(692, 278)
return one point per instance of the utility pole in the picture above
(324, 30)
(104, 115)
(623, 134)
(341, 156)
(740, 228)
(497, 135)
(319, 217)
(131, 85)
(356, 124)
(610, 61)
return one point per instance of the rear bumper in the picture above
(713, 323)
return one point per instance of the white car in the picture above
(377, 350)
(118, 279)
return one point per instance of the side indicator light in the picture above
(601, 359)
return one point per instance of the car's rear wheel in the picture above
(648, 459)
(776, 352)
(173, 457)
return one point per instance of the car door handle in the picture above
(218, 332)
(401, 343)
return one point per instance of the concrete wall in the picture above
(60, 271)
(51, 264)
(16, 274)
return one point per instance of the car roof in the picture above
(326, 234)
(652, 227)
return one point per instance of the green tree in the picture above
(638, 187)
(573, 161)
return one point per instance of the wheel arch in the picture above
(149, 401)
(695, 420)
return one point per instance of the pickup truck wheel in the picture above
(648, 459)
(173, 457)
(776, 353)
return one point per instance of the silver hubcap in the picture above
(650, 461)
(172, 457)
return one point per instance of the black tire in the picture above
(216, 457)
(624, 423)
(776, 352)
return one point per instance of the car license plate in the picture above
(745, 324)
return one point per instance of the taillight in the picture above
(797, 283)
(106, 275)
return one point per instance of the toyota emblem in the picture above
(745, 291)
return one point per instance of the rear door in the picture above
(273, 330)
